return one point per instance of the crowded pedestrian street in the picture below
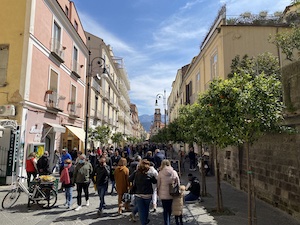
(193, 213)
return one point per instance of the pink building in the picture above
(51, 80)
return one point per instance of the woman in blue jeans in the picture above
(166, 176)
(142, 186)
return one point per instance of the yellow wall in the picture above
(12, 28)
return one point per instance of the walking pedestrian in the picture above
(65, 155)
(82, 176)
(122, 184)
(31, 167)
(192, 158)
(166, 176)
(114, 162)
(143, 190)
(56, 161)
(66, 180)
(152, 171)
(158, 158)
(177, 206)
(102, 173)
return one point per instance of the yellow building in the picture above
(226, 39)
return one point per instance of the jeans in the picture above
(101, 192)
(135, 208)
(143, 205)
(167, 207)
(113, 186)
(85, 187)
(190, 197)
(68, 194)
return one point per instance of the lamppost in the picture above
(164, 97)
(89, 76)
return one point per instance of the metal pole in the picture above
(87, 105)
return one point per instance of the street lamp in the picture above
(164, 97)
(89, 76)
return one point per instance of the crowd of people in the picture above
(138, 178)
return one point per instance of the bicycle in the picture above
(41, 193)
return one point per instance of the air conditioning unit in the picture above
(7, 110)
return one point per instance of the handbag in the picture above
(174, 189)
(126, 197)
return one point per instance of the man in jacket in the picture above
(194, 188)
(43, 164)
(158, 158)
(102, 173)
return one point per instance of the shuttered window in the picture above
(4, 50)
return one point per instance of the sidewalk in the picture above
(194, 214)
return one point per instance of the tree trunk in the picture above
(254, 201)
(203, 192)
(249, 185)
(219, 192)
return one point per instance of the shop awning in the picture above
(56, 127)
(78, 132)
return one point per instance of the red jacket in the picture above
(30, 165)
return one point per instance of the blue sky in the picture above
(157, 37)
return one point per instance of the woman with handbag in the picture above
(166, 177)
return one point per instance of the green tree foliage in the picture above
(288, 41)
(100, 133)
(117, 138)
(265, 62)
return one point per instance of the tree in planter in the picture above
(117, 138)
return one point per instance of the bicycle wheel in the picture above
(47, 197)
(10, 198)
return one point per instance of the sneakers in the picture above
(66, 204)
(99, 212)
(132, 217)
(87, 203)
(78, 208)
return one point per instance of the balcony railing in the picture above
(53, 100)
(73, 109)
(98, 114)
(57, 50)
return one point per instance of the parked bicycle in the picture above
(42, 193)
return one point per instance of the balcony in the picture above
(98, 115)
(74, 109)
(54, 102)
(105, 95)
(96, 86)
(57, 50)
(76, 69)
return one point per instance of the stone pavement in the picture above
(194, 213)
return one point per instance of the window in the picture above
(53, 81)
(214, 66)
(76, 25)
(75, 59)
(4, 49)
(73, 94)
(56, 39)
(67, 11)
(197, 83)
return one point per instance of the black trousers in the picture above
(85, 188)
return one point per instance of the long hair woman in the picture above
(166, 176)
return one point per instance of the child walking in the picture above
(66, 180)
(177, 206)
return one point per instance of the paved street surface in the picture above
(195, 213)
